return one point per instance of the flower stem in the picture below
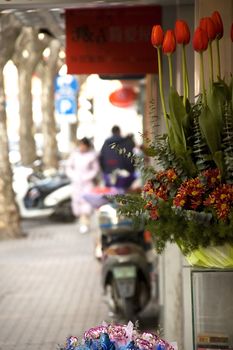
(185, 75)
(218, 59)
(203, 78)
(211, 61)
(170, 69)
(161, 87)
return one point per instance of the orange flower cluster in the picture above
(149, 191)
(212, 177)
(160, 191)
(153, 210)
(148, 187)
(221, 199)
(193, 194)
(168, 175)
(190, 194)
(158, 188)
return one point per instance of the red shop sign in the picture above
(111, 40)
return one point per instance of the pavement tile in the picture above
(50, 287)
(47, 283)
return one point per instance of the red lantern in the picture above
(123, 97)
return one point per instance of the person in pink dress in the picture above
(82, 168)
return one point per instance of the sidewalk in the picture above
(49, 287)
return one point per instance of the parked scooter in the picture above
(129, 264)
(37, 196)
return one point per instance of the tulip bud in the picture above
(169, 42)
(232, 32)
(216, 18)
(157, 36)
(182, 32)
(208, 25)
(200, 40)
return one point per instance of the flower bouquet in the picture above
(117, 337)
(188, 193)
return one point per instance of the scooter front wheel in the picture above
(128, 308)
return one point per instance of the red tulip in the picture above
(232, 32)
(216, 18)
(157, 36)
(182, 32)
(169, 42)
(200, 40)
(208, 25)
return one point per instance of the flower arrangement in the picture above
(117, 337)
(188, 195)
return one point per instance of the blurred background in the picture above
(53, 93)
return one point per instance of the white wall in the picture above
(171, 262)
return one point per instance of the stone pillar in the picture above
(150, 120)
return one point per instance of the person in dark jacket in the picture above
(118, 170)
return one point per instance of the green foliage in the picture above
(131, 205)
(188, 231)
(177, 138)
(196, 141)
(137, 160)
(200, 138)
(176, 116)
(159, 151)
(164, 156)
(215, 101)
(228, 142)
(210, 130)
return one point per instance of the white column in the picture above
(173, 296)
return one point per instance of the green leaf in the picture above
(171, 139)
(215, 101)
(177, 138)
(177, 114)
(224, 88)
(210, 130)
(219, 160)
(187, 123)
(231, 85)
(182, 155)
